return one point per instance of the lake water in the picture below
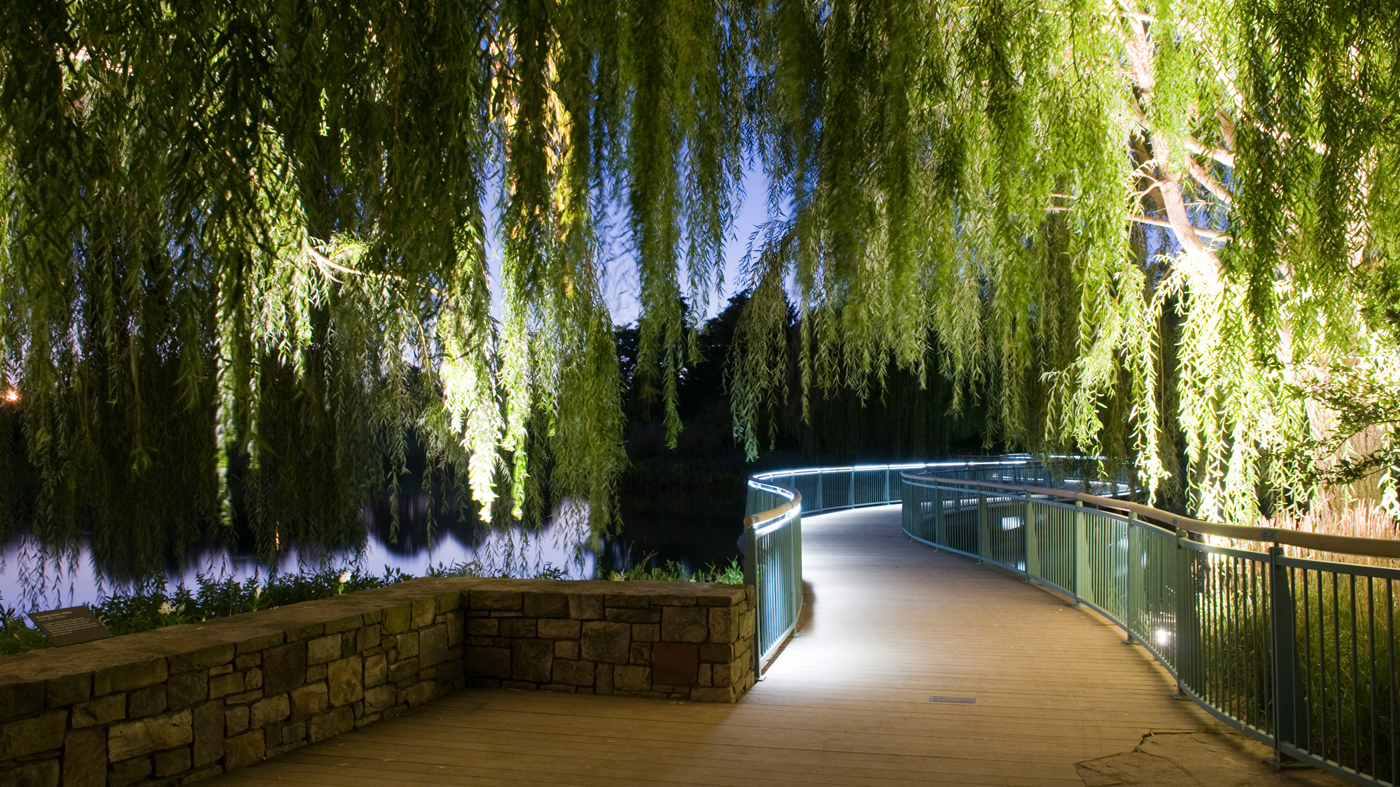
(694, 530)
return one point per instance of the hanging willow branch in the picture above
(243, 250)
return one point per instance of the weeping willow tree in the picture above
(246, 250)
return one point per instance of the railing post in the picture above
(1136, 580)
(1032, 546)
(1184, 636)
(1285, 652)
(887, 484)
(1081, 554)
(853, 488)
(983, 535)
(937, 512)
(751, 578)
(821, 498)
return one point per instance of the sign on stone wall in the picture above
(70, 625)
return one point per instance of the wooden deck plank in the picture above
(889, 623)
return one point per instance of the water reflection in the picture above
(33, 578)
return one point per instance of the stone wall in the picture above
(688, 642)
(186, 702)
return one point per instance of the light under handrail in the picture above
(1321, 542)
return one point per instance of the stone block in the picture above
(252, 679)
(18, 700)
(144, 736)
(287, 733)
(204, 658)
(223, 685)
(684, 624)
(169, 763)
(603, 679)
(424, 612)
(126, 773)
(346, 679)
(483, 627)
(566, 649)
(716, 653)
(266, 711)
(85, 758)
(675, 664)
(341, 625)
(627, 601)
(573, 673)
(245, 749)
(626, 615)
(397, 619)
(673, 601)
(407, 645)
(187, 689)
(554, 628)
(310, 631)
(367, 638)
(722, 674)
(639, 653)
(102, 710)
(129, 676)
(646, 632)
(376, 670)
(546, 605)
(328, 725)
(606, 642)
(35, 773)
(454, 623)
(703, 676)
(496, 600)
(531, 659)
(585, 607)
(403, 670)
(724, 624)
(449, 602)
(260, 643)
(315, 673)
(627, 677)
(487, 662)
(244, 697)
(712, 695)
(236, 720)
(432, 645)
(248, 660)
(518, 627)
(146, 702)
(323, 649)
(208, 733)
(221, 669)
(284, 668)
(308, 701)
(421, 692)
(31, 736)
(380, 698)
(66, 691)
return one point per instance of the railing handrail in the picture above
(1320, 542)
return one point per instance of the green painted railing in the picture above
(773, 526)
(1300, 653)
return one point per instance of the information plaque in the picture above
(70, 625)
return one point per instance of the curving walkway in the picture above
(1060, 700)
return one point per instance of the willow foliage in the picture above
(244, 247)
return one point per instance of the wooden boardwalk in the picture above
(890, 623)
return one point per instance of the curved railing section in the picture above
(773, 526)
(1298, 652)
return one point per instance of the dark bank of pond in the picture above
(682, 510)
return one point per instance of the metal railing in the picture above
(1300, 653)
(773, 527)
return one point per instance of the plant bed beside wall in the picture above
(186, 702)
